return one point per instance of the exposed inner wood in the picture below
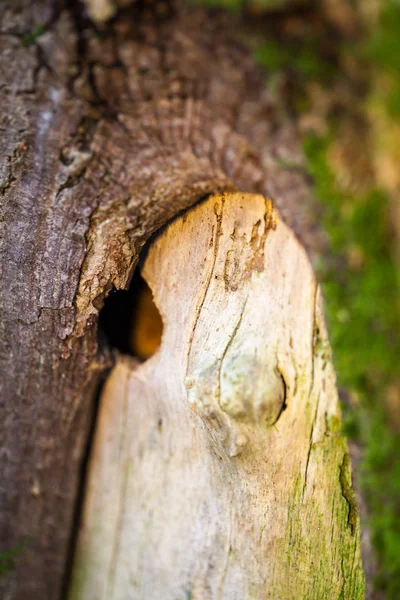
(218, 468)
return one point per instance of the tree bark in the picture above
(107, 134)
(218, 468)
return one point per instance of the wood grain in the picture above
(218, 468)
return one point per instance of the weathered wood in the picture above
(105, 136)
(218, 468)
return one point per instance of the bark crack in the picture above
(19, 150)
(122, 504)
(216, 234)
(310, 446)
(348, 492)
(228, 345)
(313, 337)
(284, 400)
(312, 382)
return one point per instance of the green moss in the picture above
(229, 5)
(254, 5)
(302, 59)
(9, 558)
(30, 38)
(383, 50)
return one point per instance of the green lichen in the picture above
(335, 425)
(331, 564)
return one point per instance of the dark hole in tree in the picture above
(130, 320)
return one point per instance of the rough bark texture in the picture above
(218, 469)
(106, 134)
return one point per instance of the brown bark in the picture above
(106, 135)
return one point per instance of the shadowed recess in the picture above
(131, 321)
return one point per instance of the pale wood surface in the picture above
(218, 469)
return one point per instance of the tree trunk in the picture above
(107, 134)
